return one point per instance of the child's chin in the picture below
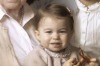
(55, 50)
(58, 50)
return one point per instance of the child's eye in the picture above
(63, 31)
(48, 31)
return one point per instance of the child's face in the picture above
(89, 2)
(53, 34)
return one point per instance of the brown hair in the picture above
(58, 11)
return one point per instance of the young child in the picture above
(53, 29)
(87, 26)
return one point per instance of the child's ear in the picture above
(37, 34)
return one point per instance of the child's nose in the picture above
(55, 36)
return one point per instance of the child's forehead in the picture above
(52, 19)
(55, 18)
(48, 20)
(52, 23)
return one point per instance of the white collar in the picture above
(90, 8)
(63, 54)
(2, 12)
(28, 13)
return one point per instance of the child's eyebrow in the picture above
(63, 28)
(47, 29)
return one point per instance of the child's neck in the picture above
(62, 54)
(88, 3)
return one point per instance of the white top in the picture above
(87, 28)
(17, 33)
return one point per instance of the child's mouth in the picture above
(56, 45)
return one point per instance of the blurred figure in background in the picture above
(87, 26)
(16, 31)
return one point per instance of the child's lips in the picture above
(56, 45)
